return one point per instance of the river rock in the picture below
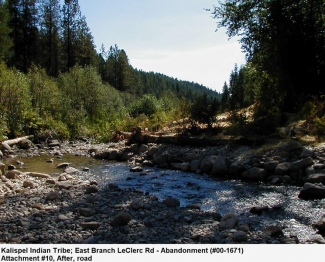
(270, 165)
(63, 165)
(121, 219)
(301, 164)
(307, 153)
(12, 175)
(291, 146)
(62, 217)
(53, 195)
(316, 178)
(273, 231)
(240, 236)
(71, 170)
(143, 148)
(86, 212)
(171, 202)
(195, 165)
(207, 164)
(254, 173)
(228, 222)
(50, 181)
(5, 148)
(312, 191)
(175, 166)
(113, 155)
(64, 185)
(220, 167)
(185, 167)
(191, 156)
(153, 150)
(161, 160)
(92, 189)
(136, 204)
(53, 143)
(25, 144)
(282, 169)
(28, 183)
(35, 174)
(259, 210)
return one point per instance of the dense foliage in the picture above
(53, 82)
(284, 42)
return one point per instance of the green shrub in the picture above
(147, 105)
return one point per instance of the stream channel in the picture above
(224, 196)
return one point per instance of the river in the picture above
(294, 215)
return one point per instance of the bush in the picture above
(204, 110)
(147, 105)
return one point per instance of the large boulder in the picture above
(316, 178)
(282, 169)
(161, 160)
(254, 173)
(195, 165)
(25, 144)
(235, 169)
(301, 164)
(271, 165)
(207, 164)
(312, 191)
(220, 167)
(291, 146)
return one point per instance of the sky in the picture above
(173, 37)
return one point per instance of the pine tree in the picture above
(49, 36)
(71, 14)
(24, 25)
(225, 98)
(5, 40)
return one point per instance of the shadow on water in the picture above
(295, 215)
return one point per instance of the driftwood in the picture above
(5, 145)
(11, 142)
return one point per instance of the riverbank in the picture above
(68, 209)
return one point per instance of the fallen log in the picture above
(11, 142)
(5, 145)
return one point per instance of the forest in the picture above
(53, 82)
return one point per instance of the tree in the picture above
(284, 41)
(225, 98)
(5, 40)
(204, 110)
(24, 25)
(49, 36)
(71, 14)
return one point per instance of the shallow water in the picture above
(296, 215)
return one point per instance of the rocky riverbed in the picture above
(71, 206)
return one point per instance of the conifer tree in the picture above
(50, 42)
(5, 40)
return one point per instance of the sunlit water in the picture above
(296, 215)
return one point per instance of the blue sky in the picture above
(173, 37)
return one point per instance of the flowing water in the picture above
(295, 215)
